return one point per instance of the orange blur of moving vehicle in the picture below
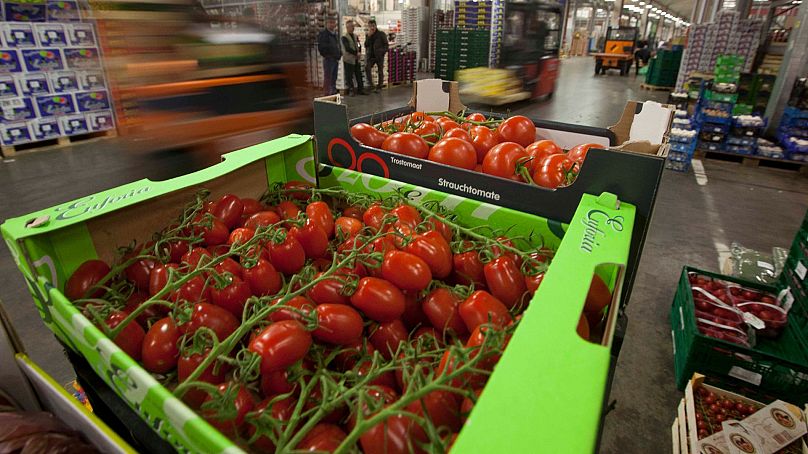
(618, 50)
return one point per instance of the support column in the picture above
(697, 6)
(715, 7)
(744, 7)
(644, 23)
(618, 11)
(794, 62)
(704, 7)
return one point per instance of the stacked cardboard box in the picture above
(414, 31)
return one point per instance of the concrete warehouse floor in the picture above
(694, 223)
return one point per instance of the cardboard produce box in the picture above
(547, 374)
(633, 176)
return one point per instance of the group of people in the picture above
(333, 48)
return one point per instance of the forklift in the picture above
(618, 50)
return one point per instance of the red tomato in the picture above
(374, 216)
(454, 152)
(251, 206)
(517, 129)
(329, 290)
(406, 143)
(323, 437)
(216, 234)
(446, 124)
(505, 281)
(187, 364)
(263, 279)
(378, 299)
(240, 236)
(468, 269)
(215, 318)
(502, 159)
(288, 256)
(476, 116)
(441, 227)
(303, 191)
(232, 297)
(349, 354)
(231, 266)
(338, 324)
(281, 344)
(347, 226)
(539, 150)
(159, 277)
(532, 282)
(175, 250)
(479, 307)
(429, 130)
(407, 215)
(387, 336)
(312, 238)
(320, 214)
(483, 140)
(280, 410)
(440, 306)
(458, 133)
(441, 407)
(138, 273)
(276, 382)
(301, 303)
(468, 405)
(135, 300)
(389, 437)
(417, 117)
(433, 249)
(262, 219)
(288, 210)
(194, 256)
(240, 404)
(578, 152)
(368, 135)
(194, 290)
(413, 315)
(553, 171)
(228, 209)
(159, 353)
(598, 296)
(86, 276)
(406, 271)
(130, 339)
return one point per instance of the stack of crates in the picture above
(401, 66)
(663, 68)
(743, 136)
(728, 69)
(793, 133)
(754, 91)
(682, 142)
(473, 14)
(460, 49)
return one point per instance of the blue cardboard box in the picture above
(101, 121)
(34, 84)
(8, 87)
(19, 34)
(82, 58)
(10, 61)
(45, 128)
(92, 80)
(51, 35)
(63, 11)
(16, 109)
(74, 124)
(89, 101)
(55, 105)
(42, 59)
(31, 11)
(81, 35)
(15, 133)
(64, 81)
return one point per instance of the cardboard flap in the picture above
(655, 125)
(436, 95)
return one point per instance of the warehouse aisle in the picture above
(693, 222)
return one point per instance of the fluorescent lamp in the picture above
(642, 3)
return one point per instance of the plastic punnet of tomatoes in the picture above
(363, 314)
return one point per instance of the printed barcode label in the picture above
(765, 265)
(800, 270)
(746, 375)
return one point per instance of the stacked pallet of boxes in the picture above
(440, 19)
(401, 65)
(52, 84)
(497, 18)
(716, 102)
(317, 14)
(414, 31)
(460, 49)
(472, 14)
(663, 68)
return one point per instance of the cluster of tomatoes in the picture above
(319, 320)
(504, 148)
(712, 410)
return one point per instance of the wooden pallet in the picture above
(753, 161)
(650, 87)
(59, 142)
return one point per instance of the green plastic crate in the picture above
(779, 366)
(742, 109)
(547, 374)
(729, 60)
(720, 97)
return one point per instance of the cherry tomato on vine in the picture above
(454, 152)
(539, 150)
(288, 256)
(130, 339)
(354, 211)
(138, 273)
(240, 236)
(187, 364)
(241, 403)
(368, 135)
(458, 133)
(387, 336)
(193, 257)
(194, 290)
(159, 277)
(433, 249)
(323, 437)
(232, 296)
(407, 214)
(379, 299)
(476, 116)
(429, 130)
(578, 152)
(281, 344)
(505, 281)
(553, 172)
(215, 318)
(276, 382)
(175, 250)
(300, 303)
(262, 219)
(479, 307)
(446, 124)
(468, 269)
(280, 410)
(442, 408)
(417, 117)
(251, 206)
(319, 213)
(299, 190)
(519, 129)
(135, 300)
(217, 233)
(338, 324)
(347, 226)
(502, 159)
(231, 266)
(312, 238)
(228, 209)
(159, 352)
(483, 139)
(406, 271)
(532, 282)
(263, 278)
(393, 436)
(86, 276)
(441, 307)
(406, 143)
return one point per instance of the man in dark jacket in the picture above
(328, 45)
(375, 48)
(350, 60)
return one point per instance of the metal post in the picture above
(697, 5)
(644, 23)
(618, 11)
(716, 6)
(794, 62)
(744, 7)
(703, 8)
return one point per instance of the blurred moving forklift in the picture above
(618, 50)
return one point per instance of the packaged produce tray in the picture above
(679, 156)
(739, 149)
(709, 146)
(712, 136)
(49, 245)
(679, 166)
(686, 148)
(778, 366)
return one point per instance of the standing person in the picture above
(350, 60)
(375, 48)
(328, 45)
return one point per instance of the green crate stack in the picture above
(720, 97)
(459, 48)
(742, 109)
(728, 69)
(664, 68)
